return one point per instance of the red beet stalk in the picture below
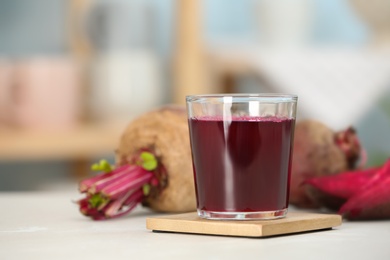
(116, 192)
(367, 191)
(373, 199)
(343, 185)
(372, 203)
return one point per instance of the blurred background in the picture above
(73, 73)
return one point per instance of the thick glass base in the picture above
(257, 215)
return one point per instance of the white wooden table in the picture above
(47, 225)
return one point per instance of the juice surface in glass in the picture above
(241, 164)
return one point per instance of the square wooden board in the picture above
(294, 222)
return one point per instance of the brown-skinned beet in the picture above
(164, 132)
(319, 151)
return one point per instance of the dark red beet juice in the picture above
(241, 165)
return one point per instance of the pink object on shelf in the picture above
(47, 93)
(6, 81)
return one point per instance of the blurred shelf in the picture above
(84, 141)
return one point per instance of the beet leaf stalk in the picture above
(114, 192)
(365, 193)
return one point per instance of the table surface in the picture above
(47, 225)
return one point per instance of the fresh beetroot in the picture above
(153, 167)
(163, 132)
(319, 151)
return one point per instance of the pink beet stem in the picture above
(124, 173)
(135, 197)
(117, 204)
(87, 183)
(115, 190)
(343, 185)
(373, 197)
(127, 210)
(86, 210)
(83, 203)
(381, 174)
(131, 197)
(154, 182)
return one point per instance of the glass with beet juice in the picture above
(241, 151)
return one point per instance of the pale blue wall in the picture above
(29, 27)
(336, 22)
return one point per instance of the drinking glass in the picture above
(241, 151)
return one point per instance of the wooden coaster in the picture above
(294, 222)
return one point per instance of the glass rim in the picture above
(271, 97)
